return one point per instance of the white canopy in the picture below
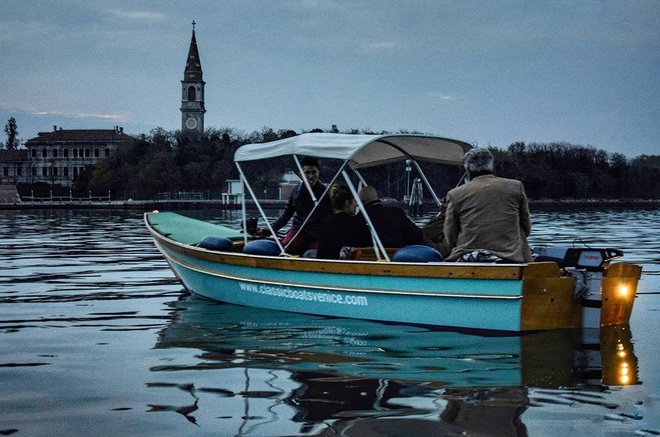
(360, 150)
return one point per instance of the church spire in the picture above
(192, 92)
(193, 65)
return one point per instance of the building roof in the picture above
(13, 155)
(116, 135)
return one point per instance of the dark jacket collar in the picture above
(480, 173)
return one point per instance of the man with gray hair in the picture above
(488, 217)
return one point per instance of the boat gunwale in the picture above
(446, 270)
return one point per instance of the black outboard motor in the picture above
(586, 265)
(587, 258)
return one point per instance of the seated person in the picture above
(391, 223)
(488, 217)
(434, 235)
(344, 228)
(299, 206)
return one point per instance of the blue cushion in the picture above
(216, 243)
(417, 253)
(262, 247)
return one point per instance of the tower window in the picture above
(191, 94)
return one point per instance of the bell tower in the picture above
(192, 92)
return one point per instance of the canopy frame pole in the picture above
(304, 179)
(258, 205)
(378, 245)
(419, 169)
(316, 201)
(436, 199)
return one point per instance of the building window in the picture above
(44, 171)
(55, 171)
(191, 93)
(34, 171)
(66, 153)
(86, 153)
(34, 153)
(97, 153)
(80, 153)
(44, 153)
(107, 152)
(75, 172)
(5, 171)
(66, 171)
(19, 171)
(75, 153)
(54, 153)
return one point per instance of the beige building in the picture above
(13, 165)
(59, 156)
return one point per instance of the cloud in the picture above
(113, 117)
(138, 15)
(442, 96)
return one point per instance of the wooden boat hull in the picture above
(501, 297)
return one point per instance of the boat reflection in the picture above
(425, 381)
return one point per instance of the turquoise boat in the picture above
(572, 287)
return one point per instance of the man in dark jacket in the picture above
(391, 223)
(300, 205)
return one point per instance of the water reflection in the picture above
(342, 375)
(82, 302)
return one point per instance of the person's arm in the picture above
(286, 215)
(525, 216)
(451, 225)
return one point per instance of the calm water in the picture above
(97, 338)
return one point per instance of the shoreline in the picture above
(176, 205)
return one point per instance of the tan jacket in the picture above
(490, 213)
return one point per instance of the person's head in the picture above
(368, 194)
(310, 167)
(478, 159)
(342, 199)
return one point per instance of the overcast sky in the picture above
(487, 72)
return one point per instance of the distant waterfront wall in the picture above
(176, 205)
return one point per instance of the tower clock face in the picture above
(191, 123)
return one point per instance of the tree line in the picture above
(164, 161)
(169, 161)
